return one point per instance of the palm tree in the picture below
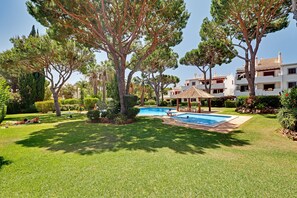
(92, 73)
(106, 72)
(82, 85)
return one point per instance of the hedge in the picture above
(90, 103)
(71, 101)
(45, 106)
(2, 113)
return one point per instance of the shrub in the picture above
(30, 109)
(89, 103)
(14, 103)
(288, 118)
(71, 101)
(230, 103)
(183, 104)
(130, 101)
(45, 106)
(289, 98)
(132, 113)
(218, 102)
(268, 101)
(3, 113)
(163, 104)
(93, 114)
(150, 102)
(240, 101)
(68, 107)
(173, 102)
(120, 119)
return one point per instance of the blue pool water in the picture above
(153, 111)
(202, 119)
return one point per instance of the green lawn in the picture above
(73, 158)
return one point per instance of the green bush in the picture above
(120, 119)
(183, 104)
(173, 102)
(93, 114)
(45, 106)
(71, 101)
(30, 109)
(240, 101)
(268, 101)
(69, 107)
(230, 103)
(163, 104)
(218, 102)
(89, 103)
(150, 102)
(130, 101)
(288, 118)
(3, 113)
(14, 104)
(132, 113)
(289, 98)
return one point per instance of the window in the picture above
(292, 71)
(220, 81)
(269, 87)
(270, 73)
(292, 84)
(218, 91)
(244, 88)
(193, 83)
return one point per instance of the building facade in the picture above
(272, 77)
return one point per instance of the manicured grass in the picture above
(78, 159)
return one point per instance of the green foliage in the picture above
(39, 80)
(89, 103)
(130, 101)
(163, 104)
(288, 118)
(70, 101)
(93, 114)
(3, 111)
(4, 96)
(120, 119)
(27, 89)
(218, 102)
(45, 106)
(240, 101)
(230, 103)
(150, 102)
(132, 113)
(289, 98)
(14, 103)
(113, 90)
(70, 107)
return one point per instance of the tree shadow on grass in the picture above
(146, 134)
(4, 162)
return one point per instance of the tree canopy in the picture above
(114, 26)
(246, 23)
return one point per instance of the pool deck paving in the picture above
(225, 127)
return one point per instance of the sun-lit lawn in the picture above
(78, 159)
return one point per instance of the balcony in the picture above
(272, 92)
(241, 93)
(242, 81)
(268, 79)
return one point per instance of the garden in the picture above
(70, 157)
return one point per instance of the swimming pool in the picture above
(202, 119)
(153, 111)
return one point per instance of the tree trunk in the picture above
(104, 88)
(250, 73)
(142, 96)
(129, 79)
(121, 83)
(95, 89)
(56, 102)
(157, 97)
(205, 84)
(210, 78)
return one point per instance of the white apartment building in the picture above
(272, 77)
(221, 86)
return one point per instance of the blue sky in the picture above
(15, 20)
